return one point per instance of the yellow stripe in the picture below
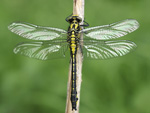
(74, 15)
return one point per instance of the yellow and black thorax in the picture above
(73, 32)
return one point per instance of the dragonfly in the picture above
(99, 42)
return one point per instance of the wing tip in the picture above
(135, 22)
(12, 25)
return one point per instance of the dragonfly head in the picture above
(74, 18)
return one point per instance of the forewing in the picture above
(112, 31)
(42, 50)
(107, 49)
(34, 32)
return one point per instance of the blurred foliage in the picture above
(119, 85)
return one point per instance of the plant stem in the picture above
(78, 9)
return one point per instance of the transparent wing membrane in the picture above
(53, 41)
(107, 49)
(111, 31)
(34, 32)
(42, 50)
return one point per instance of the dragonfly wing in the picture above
(107, 49)
(34, 32)
(42, 50)
(111, 31)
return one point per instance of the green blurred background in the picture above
(119, 85)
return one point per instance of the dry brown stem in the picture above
(78, 9)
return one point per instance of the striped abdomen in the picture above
(73, 48)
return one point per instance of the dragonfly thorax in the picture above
(73, 30)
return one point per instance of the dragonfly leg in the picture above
(85, 24)
(68, 17)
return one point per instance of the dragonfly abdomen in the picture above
(73, 49)
(73, 90)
